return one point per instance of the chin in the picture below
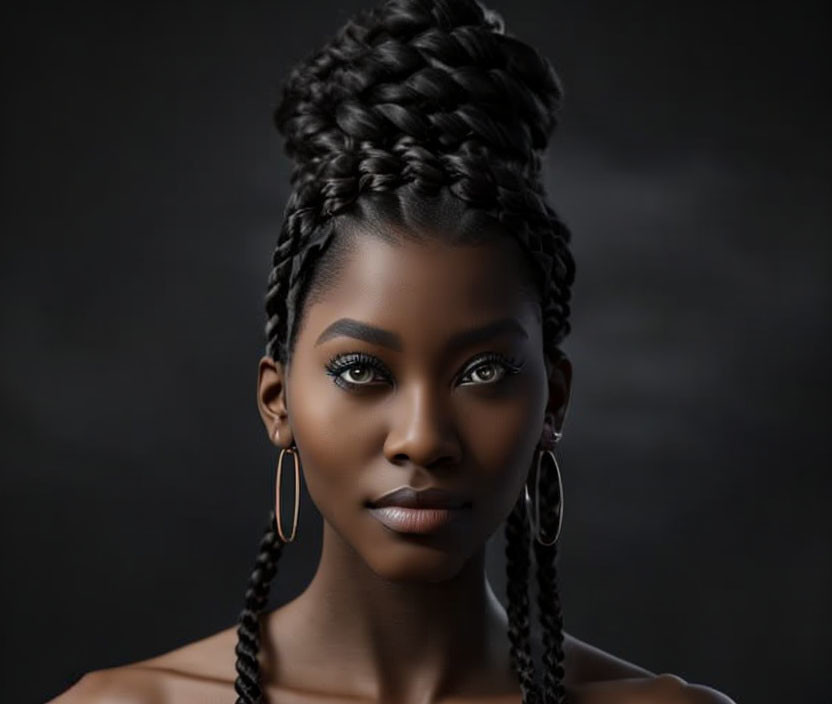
(415, 563)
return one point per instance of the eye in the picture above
(354, 370)
(492, 368)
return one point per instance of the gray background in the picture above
(143, 187)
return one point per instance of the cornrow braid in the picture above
(491, 187)
(247, 685)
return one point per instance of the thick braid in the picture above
(436, 71)
(429, 93)
(517, 592)
(548, 597)
(477, 180)
(299, 227)
(413, 99)
(247, 685)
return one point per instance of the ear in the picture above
(271, 401)
(560, 387)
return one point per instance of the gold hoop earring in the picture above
(294, 455)
(534, 512)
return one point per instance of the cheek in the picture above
(502, 436)
(333, 437)
(314, 423)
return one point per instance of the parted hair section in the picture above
(422, 111)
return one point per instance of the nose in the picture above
(422, 429)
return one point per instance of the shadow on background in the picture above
(143, 187)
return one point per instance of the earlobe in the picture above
(271, 401)
(560, 387)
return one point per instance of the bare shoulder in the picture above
(594, 676)
(585, 663)
(657, 689)
(202, 671)
(117, 685)
(210, 658)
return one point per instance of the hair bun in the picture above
(439, 73)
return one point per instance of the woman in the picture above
(419, 295)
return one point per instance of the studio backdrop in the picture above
(143, 187)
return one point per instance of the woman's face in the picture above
(422, 367)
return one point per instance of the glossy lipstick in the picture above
(408, 510)
(415, 520)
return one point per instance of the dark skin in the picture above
(390, 617)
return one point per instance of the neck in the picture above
(408, 642)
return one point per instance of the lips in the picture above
(432, 498)
(416, 520)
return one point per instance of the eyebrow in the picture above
(348, 327)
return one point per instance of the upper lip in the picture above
(421, 498)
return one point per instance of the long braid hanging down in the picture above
(426, 96)
(517, 593)
(548, 599)
(247, 684)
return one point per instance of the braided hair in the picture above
(419, 113)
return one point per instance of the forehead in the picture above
(427, 289)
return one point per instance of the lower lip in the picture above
(415, 520)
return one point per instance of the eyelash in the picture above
(342, 362)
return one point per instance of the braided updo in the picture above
(421, 111)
